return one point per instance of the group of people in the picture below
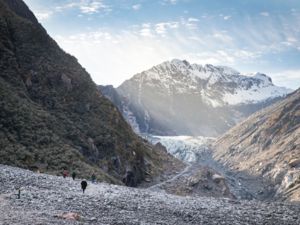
(84, 184)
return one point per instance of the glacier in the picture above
(186, 148)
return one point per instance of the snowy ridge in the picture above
(179, 98)
(217, 85)
(254, 95)
(186, 148)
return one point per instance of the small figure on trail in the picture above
(73, 175)
(93, 178)
(19, 192)
(83, 185)
(65, 173)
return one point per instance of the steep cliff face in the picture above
(179, 98)
(267, 145)
(53, 116)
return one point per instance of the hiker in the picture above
(83, 185)
(19, 192)
(65, 173)
(93, 178)
(73, 175)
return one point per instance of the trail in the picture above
(44, 198)
(241, 185)
(182, 173)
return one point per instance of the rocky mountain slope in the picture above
(179, 98)
(51, 114)
(267, 146)
(54, 200)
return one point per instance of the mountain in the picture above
(53, 117)
(267, 146)
(179, 98)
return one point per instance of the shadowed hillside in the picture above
(51, 114)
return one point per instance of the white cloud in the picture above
(288, 78)
(193, 19)
(146, 32)
(43, 15)
(172, 2)
(85, 6)
(161, 28)
(190, 23)
(265, 14)
(136, 7)
(224, 37)
(206, 57)
(226, 17)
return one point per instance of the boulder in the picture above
(294, 162)
(70, 216)
(217, 178)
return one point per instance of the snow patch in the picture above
(254, 95)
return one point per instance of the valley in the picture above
(49, 200)
(177, 143)
(205, 176)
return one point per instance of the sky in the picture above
(115, 39)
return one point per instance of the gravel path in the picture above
(44, 198)
(159, 186)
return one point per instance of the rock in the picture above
(67, 81)
(28, 81)
(69, 216)
(111, 204)
(217, 178)
(294, 162)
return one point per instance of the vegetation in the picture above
(51, 114)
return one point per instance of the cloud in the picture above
(172, 2)
(288, 78)
(190, 23)
(161, 28)
(265, 14)
(191, 19)
(224, 37)
(43, 15)
(136, 7)
(226, 17)
(85, 6)
(146, 32)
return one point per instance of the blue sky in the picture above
(115, 39)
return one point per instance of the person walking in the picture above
(74, 175)
(65, 173)
(83, 185)
(93, 178)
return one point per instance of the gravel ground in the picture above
(45, 198)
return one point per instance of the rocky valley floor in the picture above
(46, 199)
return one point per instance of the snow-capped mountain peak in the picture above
(177, 97)
(263, 77)
(217, 85)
